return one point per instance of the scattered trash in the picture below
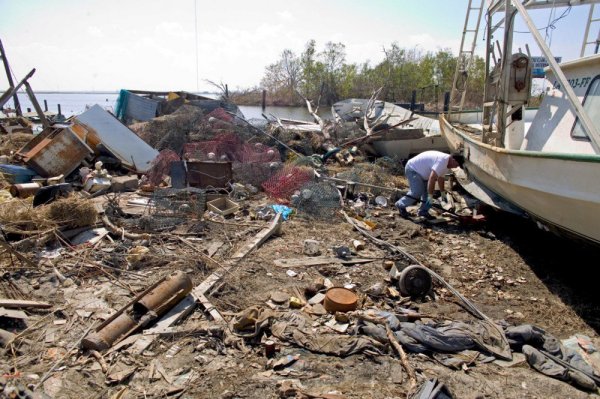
(222, 206)
(339, 299)
(154, 302)
(311, 248)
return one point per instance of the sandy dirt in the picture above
(510, 270)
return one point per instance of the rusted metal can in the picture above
(24, 190)
(269, 348)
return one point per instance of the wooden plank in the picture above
(182, 309)
(13, 314)
(273, 228)
(261, 237)
(17, 303)
(211, 310)
(318, 260)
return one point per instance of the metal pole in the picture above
(585, 120)
(505, 72)
(587, 31)
(10, 80)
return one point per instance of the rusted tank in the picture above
(141, 312)
(55, 151)
(172, 290)
(24, 190)
(117, 329)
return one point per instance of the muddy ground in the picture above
(509, 269)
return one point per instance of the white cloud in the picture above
(173, 29)
(285, 15)
(95, 31)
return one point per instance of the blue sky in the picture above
(151, 45)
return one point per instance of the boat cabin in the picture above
(555, 127)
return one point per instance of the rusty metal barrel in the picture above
(111, 333)
(24, 190)
(146, 309)
(173, 289)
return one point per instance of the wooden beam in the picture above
(13, 90)
(10, 79)
(318, 260)
(16, 303)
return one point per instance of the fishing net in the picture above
(170, 131)
(318, 200)
(161, 166)
(255, 173)
(392, 164)
(221, 114)
(229, 146)
(285, 182)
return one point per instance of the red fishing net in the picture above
(289, 179)
(161, 166)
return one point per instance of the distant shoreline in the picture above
(92, 92)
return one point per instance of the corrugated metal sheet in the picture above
(117, 138)
(55, 151)
(140, 108)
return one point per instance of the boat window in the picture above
(591, 105)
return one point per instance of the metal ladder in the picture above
(586, 36)
(465, 58)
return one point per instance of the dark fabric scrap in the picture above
(537, 346)
(295, 328)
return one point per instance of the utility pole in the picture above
(9, 77)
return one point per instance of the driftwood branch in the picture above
(370, 126)
(314, 114)
(121, 231)
(404, 360)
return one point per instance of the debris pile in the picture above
(231, 264)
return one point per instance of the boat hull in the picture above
(404, 148)
(558, 190)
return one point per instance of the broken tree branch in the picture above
(403, 359)
(119, 231)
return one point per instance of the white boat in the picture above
(397, 132)
(550, 171)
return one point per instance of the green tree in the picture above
(282, 77)
(332, 58)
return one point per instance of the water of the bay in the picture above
(76, 103)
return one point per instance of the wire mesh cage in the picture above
(178, 203)
(317, 200)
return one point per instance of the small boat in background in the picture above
(397, 132)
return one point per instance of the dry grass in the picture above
(20, 217)
(11, 143)
(71, 212)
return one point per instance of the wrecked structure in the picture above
(192, 254)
